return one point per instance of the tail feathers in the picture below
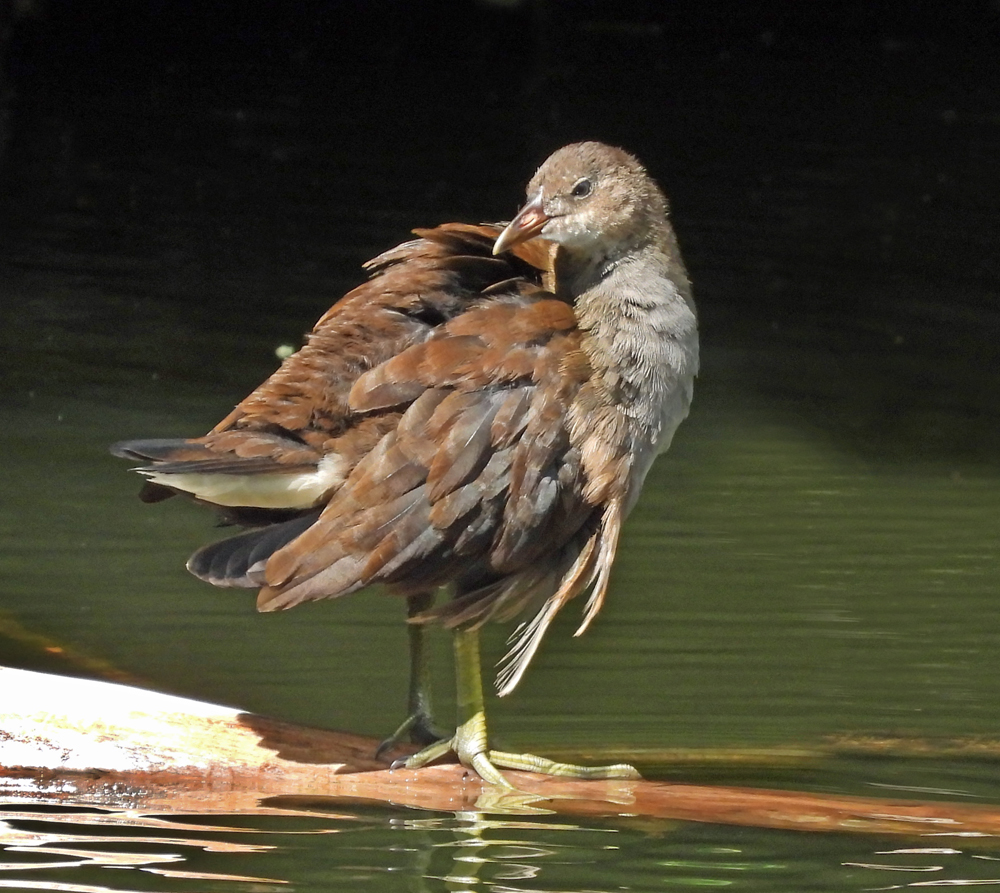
(158, 449)
(149, 450)
(180, 457)
(239, 561)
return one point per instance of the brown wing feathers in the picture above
(442, 386)
(470, 480)
(299, 412)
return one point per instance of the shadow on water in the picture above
(815, 557)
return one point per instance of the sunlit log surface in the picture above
(82, 742)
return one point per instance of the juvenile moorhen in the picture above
(479, 415)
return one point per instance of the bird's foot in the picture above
(470, 745)
(417, 728)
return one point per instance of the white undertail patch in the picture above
(293, 490)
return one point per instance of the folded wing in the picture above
(418, 438)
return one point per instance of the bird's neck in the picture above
(631, 303)
(639, 329)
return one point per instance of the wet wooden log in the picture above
(85, 742)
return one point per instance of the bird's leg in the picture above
(420, 721)
(470, 743)
(418, 726)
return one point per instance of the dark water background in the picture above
(184, 191)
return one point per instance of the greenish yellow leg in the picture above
(470, 742)
(418, 726)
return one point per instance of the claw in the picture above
(470, 743)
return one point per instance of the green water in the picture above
(391, 851)
(816, 557)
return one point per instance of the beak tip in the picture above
(525, 226)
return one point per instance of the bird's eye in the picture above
(581, 188)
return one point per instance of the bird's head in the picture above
(591, 199)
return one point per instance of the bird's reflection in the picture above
(62, 849)
(471, 849)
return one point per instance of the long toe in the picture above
(528, 762)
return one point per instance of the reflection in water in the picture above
(313, 849)
(474, 856)
(467, 849)
(20, 833)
